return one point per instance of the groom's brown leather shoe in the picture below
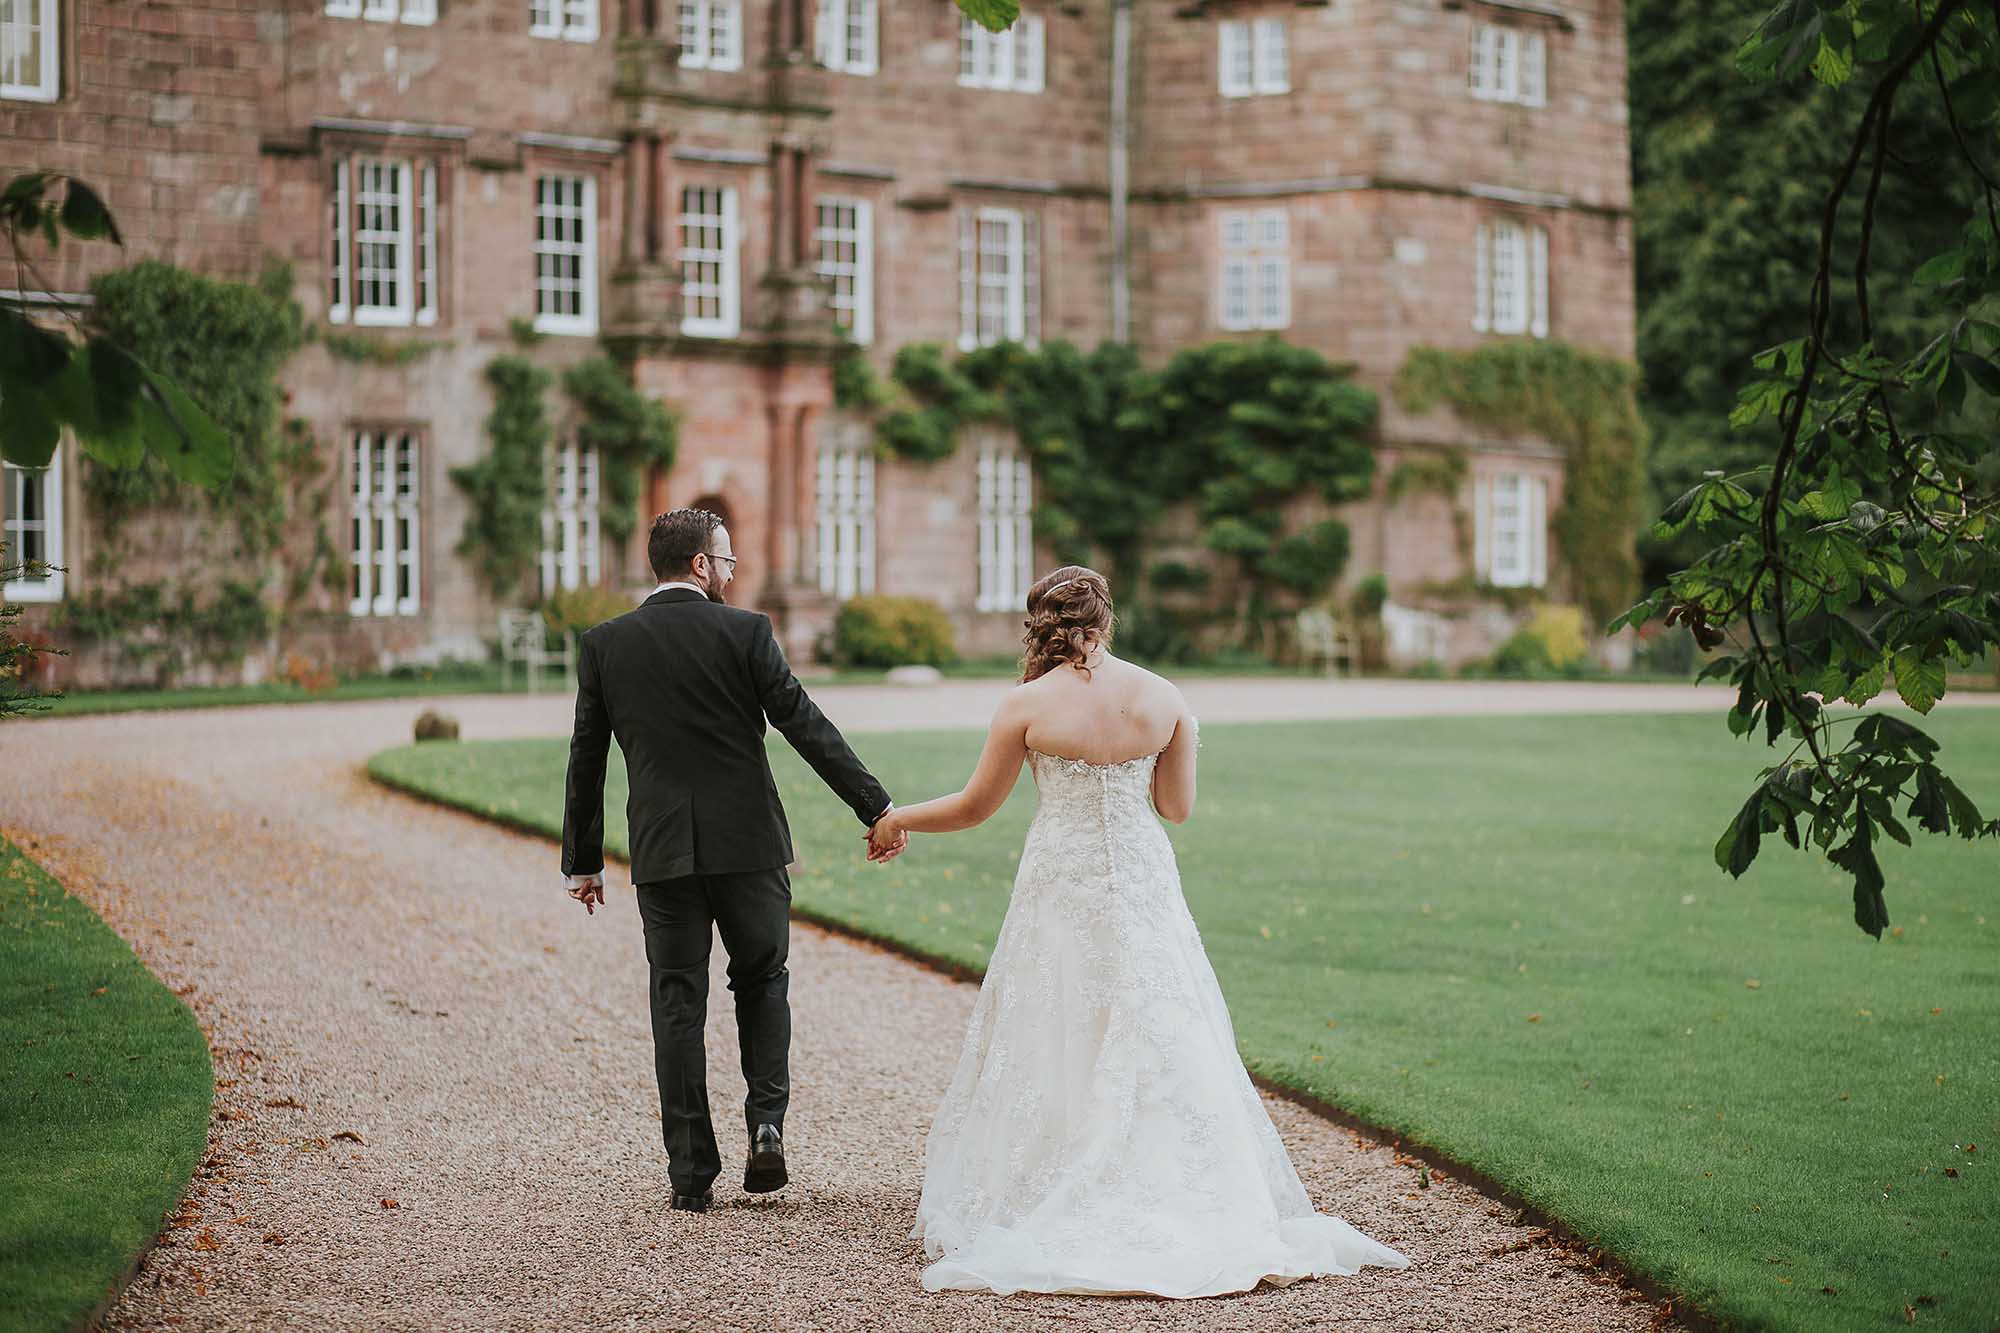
(765, 1171)
(693, 1203)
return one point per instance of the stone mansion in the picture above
(720, 191)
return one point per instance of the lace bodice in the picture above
(1098, 821)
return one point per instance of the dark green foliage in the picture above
(1861, 548)
(224, 344)
(1580, 402)
(1729, 179)
(892, 632)
(856, 387)
(631, 432)
(1240, 429)
(925, 430)
(121, 409)
(508, 488)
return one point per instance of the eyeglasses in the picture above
(730, 558)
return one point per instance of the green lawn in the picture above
(108, 1087)
(1505, 938)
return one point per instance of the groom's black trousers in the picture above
(752, 910)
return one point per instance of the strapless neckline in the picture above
(1073, 762)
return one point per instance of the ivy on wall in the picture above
(630, 432)
(165, 630)
(224, 343)
(1583, 403)
(1238, 429)
(508, 488)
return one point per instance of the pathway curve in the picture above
(436, 1105)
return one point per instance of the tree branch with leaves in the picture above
(1861, 553)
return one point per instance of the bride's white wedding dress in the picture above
(1100, 1134)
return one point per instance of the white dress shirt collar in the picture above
(679, 583)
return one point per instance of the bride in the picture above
(1100, 1134)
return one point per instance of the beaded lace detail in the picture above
(1100, 1133)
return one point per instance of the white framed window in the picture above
(1006, 531)
(844, 241)
(1010, 60)
(999, 290)
(566, 254)
(845, 37)
(1508, 65)
(711, 301)
(419, 12)
(1256, 270)
(31, 528)
(1252, 57)
(1511, 279)
(383, 243)
(571, 20)
(383, 550)
(845, 500)
(711, 34)
(571, 551)
(31, 49)
(1511, 536)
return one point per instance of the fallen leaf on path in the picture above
(391, 1203)
(351, 1137)
(287, 1103)
(207, 1241)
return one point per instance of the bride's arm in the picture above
(1173, 776)
(985, 791)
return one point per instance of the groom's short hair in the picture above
(678, 536)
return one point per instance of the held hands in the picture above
(887, 838)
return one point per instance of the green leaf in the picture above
(992, 15)
(1919, 680)
(1940, 268)
(1737, 847)
(29, 430)
(1981, 371)
(86, 216)
(180, 434)
(1964, 813)
(1834, 61)
(1857, 856)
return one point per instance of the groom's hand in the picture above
(590, 892)
(885, 840)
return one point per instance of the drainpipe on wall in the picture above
(1121, 78)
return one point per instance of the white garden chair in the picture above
(524, 640)
(1325, 642)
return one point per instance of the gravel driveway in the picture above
(436, 1103)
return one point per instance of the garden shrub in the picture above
(575, 610)
(892, 632)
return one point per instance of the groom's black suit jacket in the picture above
(685, 684)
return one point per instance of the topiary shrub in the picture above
(892, 632)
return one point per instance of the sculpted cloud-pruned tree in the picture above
(1861, 553)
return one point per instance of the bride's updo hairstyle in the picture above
(1069, 612)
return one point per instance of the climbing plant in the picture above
(1583, 403)
(1239, 430)
(630, 432)
(224, 344)
(508, 488)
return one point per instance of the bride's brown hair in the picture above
(1068, 609)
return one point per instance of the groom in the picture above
(685, 683)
